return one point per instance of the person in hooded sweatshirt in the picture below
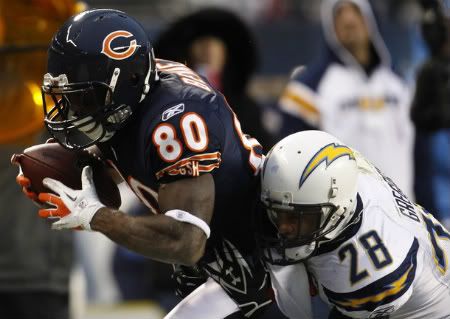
(353, 93)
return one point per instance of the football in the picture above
(54, 161)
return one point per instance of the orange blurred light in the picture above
(25, 25)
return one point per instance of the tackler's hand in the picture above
(75, 208)
(187, 279)
(24, 181)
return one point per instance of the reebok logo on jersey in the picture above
(174, 110)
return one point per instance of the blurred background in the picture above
(107, 281)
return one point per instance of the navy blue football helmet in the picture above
(100, 67)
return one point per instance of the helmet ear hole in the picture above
(134, 80)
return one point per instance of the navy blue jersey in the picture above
(185, 128)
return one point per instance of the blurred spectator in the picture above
(431, 115)
(219, 45)
(353, 93)
(35, 262)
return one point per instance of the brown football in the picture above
(54, 161)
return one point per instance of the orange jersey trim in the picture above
(191, 166)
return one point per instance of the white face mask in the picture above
(302, 252)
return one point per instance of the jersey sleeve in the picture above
(186, 142)
(300, 97)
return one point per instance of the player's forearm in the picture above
(155, 236)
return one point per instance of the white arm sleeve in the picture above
(209, 301)
(293, 300)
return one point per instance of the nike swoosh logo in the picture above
(70, 197)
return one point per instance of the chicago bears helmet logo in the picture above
(327, 154)
(116, 53)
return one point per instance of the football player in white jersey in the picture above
(371, 252)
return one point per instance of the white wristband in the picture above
(186, 217)
(88, 214)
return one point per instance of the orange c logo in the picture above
(112, 53)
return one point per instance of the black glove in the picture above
(245, 280)
(187, 279)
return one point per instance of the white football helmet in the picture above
(309, 190)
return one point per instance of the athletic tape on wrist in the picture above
(186, 217)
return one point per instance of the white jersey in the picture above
(367, 111)
(392, 261)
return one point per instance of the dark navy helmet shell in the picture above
(100, 67)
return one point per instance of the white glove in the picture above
(80, 205)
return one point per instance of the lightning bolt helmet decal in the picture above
(328, 154)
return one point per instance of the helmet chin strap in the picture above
(112, 84)
(121, 115)
(146, 89)
(340, 219)
(93, 130)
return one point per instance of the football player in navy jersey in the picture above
(177, 144)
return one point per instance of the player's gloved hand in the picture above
(76, 208)
(187, 279)
(25, 182)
